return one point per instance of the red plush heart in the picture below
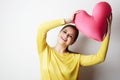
(94, 26)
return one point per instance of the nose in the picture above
(65, 36)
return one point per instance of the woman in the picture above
(58, 63)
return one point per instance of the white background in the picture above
(19, 21)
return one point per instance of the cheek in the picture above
(59, 36)
(70, 40)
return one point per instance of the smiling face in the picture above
(67, 36)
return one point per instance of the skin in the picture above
(109, 21)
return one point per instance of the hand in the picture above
(109, 21)
(70, 20)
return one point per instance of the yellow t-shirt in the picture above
(57, 66)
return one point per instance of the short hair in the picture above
(73, 27)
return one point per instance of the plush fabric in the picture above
(94, 26)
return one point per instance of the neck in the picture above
(60, 48)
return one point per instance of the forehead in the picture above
(70, 30)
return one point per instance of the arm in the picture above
(42, 32)
(101, 54)
(87, 60)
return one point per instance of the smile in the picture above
(65, 40)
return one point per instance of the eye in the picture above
(64, 32)
(71, 36)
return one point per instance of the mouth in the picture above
(65, 40)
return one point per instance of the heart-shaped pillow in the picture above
(94, 26)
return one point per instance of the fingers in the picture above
(77, 11)
(109, 20)
(74, 14)
(111, 17)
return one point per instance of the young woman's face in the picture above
(67, 36)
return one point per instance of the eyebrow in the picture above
(67, 31)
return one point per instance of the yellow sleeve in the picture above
(88, 60)
(42, 32)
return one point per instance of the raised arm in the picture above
(42, 32)
(88, 60)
